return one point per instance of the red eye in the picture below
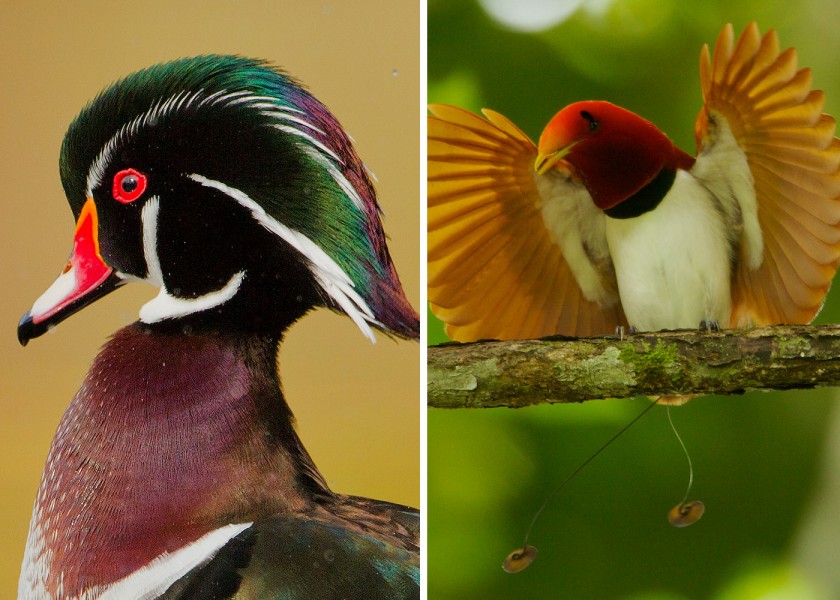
(129, 184)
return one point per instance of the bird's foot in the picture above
(619, 331)
(709, 325)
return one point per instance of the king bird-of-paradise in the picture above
(606, 222)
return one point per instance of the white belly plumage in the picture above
(673, 263)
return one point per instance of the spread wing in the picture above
(511, 254)
(794, 159)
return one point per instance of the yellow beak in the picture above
(546, 160)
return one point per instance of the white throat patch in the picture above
(165, 305)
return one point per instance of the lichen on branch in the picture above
(559, 369)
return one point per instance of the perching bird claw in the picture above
(710, 326)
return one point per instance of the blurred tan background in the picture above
(357, 404)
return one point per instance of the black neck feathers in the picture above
(647, 198)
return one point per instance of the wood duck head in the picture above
(233, 190)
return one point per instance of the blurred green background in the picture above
(767, 465)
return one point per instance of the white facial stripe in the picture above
(272, 99)
(164, 305)
(158, 110)
(212, 98)
(228, 97)
(282, 108)
(370, 173)
(182, 100)
(327, 273)
(310, 139)
(337, 176)
(97, 169)
(317, 150)
(149, 218)
(282, 116)
(155, 578)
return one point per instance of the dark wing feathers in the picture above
(295, 557)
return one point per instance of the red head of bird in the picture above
(615, 152)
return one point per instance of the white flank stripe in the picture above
(164, 305)
(36, 563)
(327, 273)
(155, 578)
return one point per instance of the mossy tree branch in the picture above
(559, 369)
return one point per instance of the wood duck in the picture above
(176, 472)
